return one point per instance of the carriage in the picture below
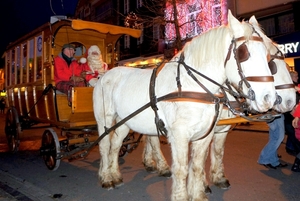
(31, 94)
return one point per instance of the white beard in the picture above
(95, 63)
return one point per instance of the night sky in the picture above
(19, 17)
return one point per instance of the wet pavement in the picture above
(23, 176)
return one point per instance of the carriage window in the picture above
(46, 50)
(24, 62)
(7, 71)
(80, 50)
(13, 65)
(109, 53)
(31, 59)
(18, 65)
(39, 64)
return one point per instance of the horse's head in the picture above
(247, 65)
(286, 97)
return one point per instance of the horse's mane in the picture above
(210, 45)
(206, 47)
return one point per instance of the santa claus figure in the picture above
(93, 65)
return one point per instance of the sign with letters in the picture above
(289, 44)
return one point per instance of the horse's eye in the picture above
(273, 67)
(242, 53)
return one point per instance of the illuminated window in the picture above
(140, 40)
(139, 3)
(126, 6)
(127, 41)
(156, 31)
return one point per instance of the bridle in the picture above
(241, 54)
(273, 68)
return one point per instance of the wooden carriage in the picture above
(29, 81)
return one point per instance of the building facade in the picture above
(280, 20)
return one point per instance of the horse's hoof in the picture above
(108, 185)
(118, 182)
(150, 169)
(165, 173)
(207, 190)
(223, 185)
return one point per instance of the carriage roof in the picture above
(79, 25)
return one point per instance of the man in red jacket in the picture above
(67, 71)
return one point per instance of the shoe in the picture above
(291, 152)
(269, 166)
(296, 165)
(281, 165)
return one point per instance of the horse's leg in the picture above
(104, 173)
(197, 178)
(179, 149)
(105, 116)
(115, 145)
(152, 156)
(217, 175)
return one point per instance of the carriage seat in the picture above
(81, 109)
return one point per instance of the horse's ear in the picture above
(235, 25)
(253, 20)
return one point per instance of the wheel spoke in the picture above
(50, 149)
(12, 129)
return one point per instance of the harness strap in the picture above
(160, 126)
(255, 38)
(285, 86)
(277, 57)
(260, 79)
(192, 97)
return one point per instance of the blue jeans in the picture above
(276, 135)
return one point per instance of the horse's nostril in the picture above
(290, 104)
(267, 98)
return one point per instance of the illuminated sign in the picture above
(289, 44)
(289, 47)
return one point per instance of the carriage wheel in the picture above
(12, 129)
(125, 148)
(50, 149)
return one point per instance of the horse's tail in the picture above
(103, 102)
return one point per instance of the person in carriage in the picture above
(68, 72)
(93, 65)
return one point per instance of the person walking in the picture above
(268, 156)
(296, 125)
(292, 146)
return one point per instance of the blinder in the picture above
(273, 67)
(242, 53)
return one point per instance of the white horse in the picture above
(286, 101)
(122, 95)
(153, 159)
